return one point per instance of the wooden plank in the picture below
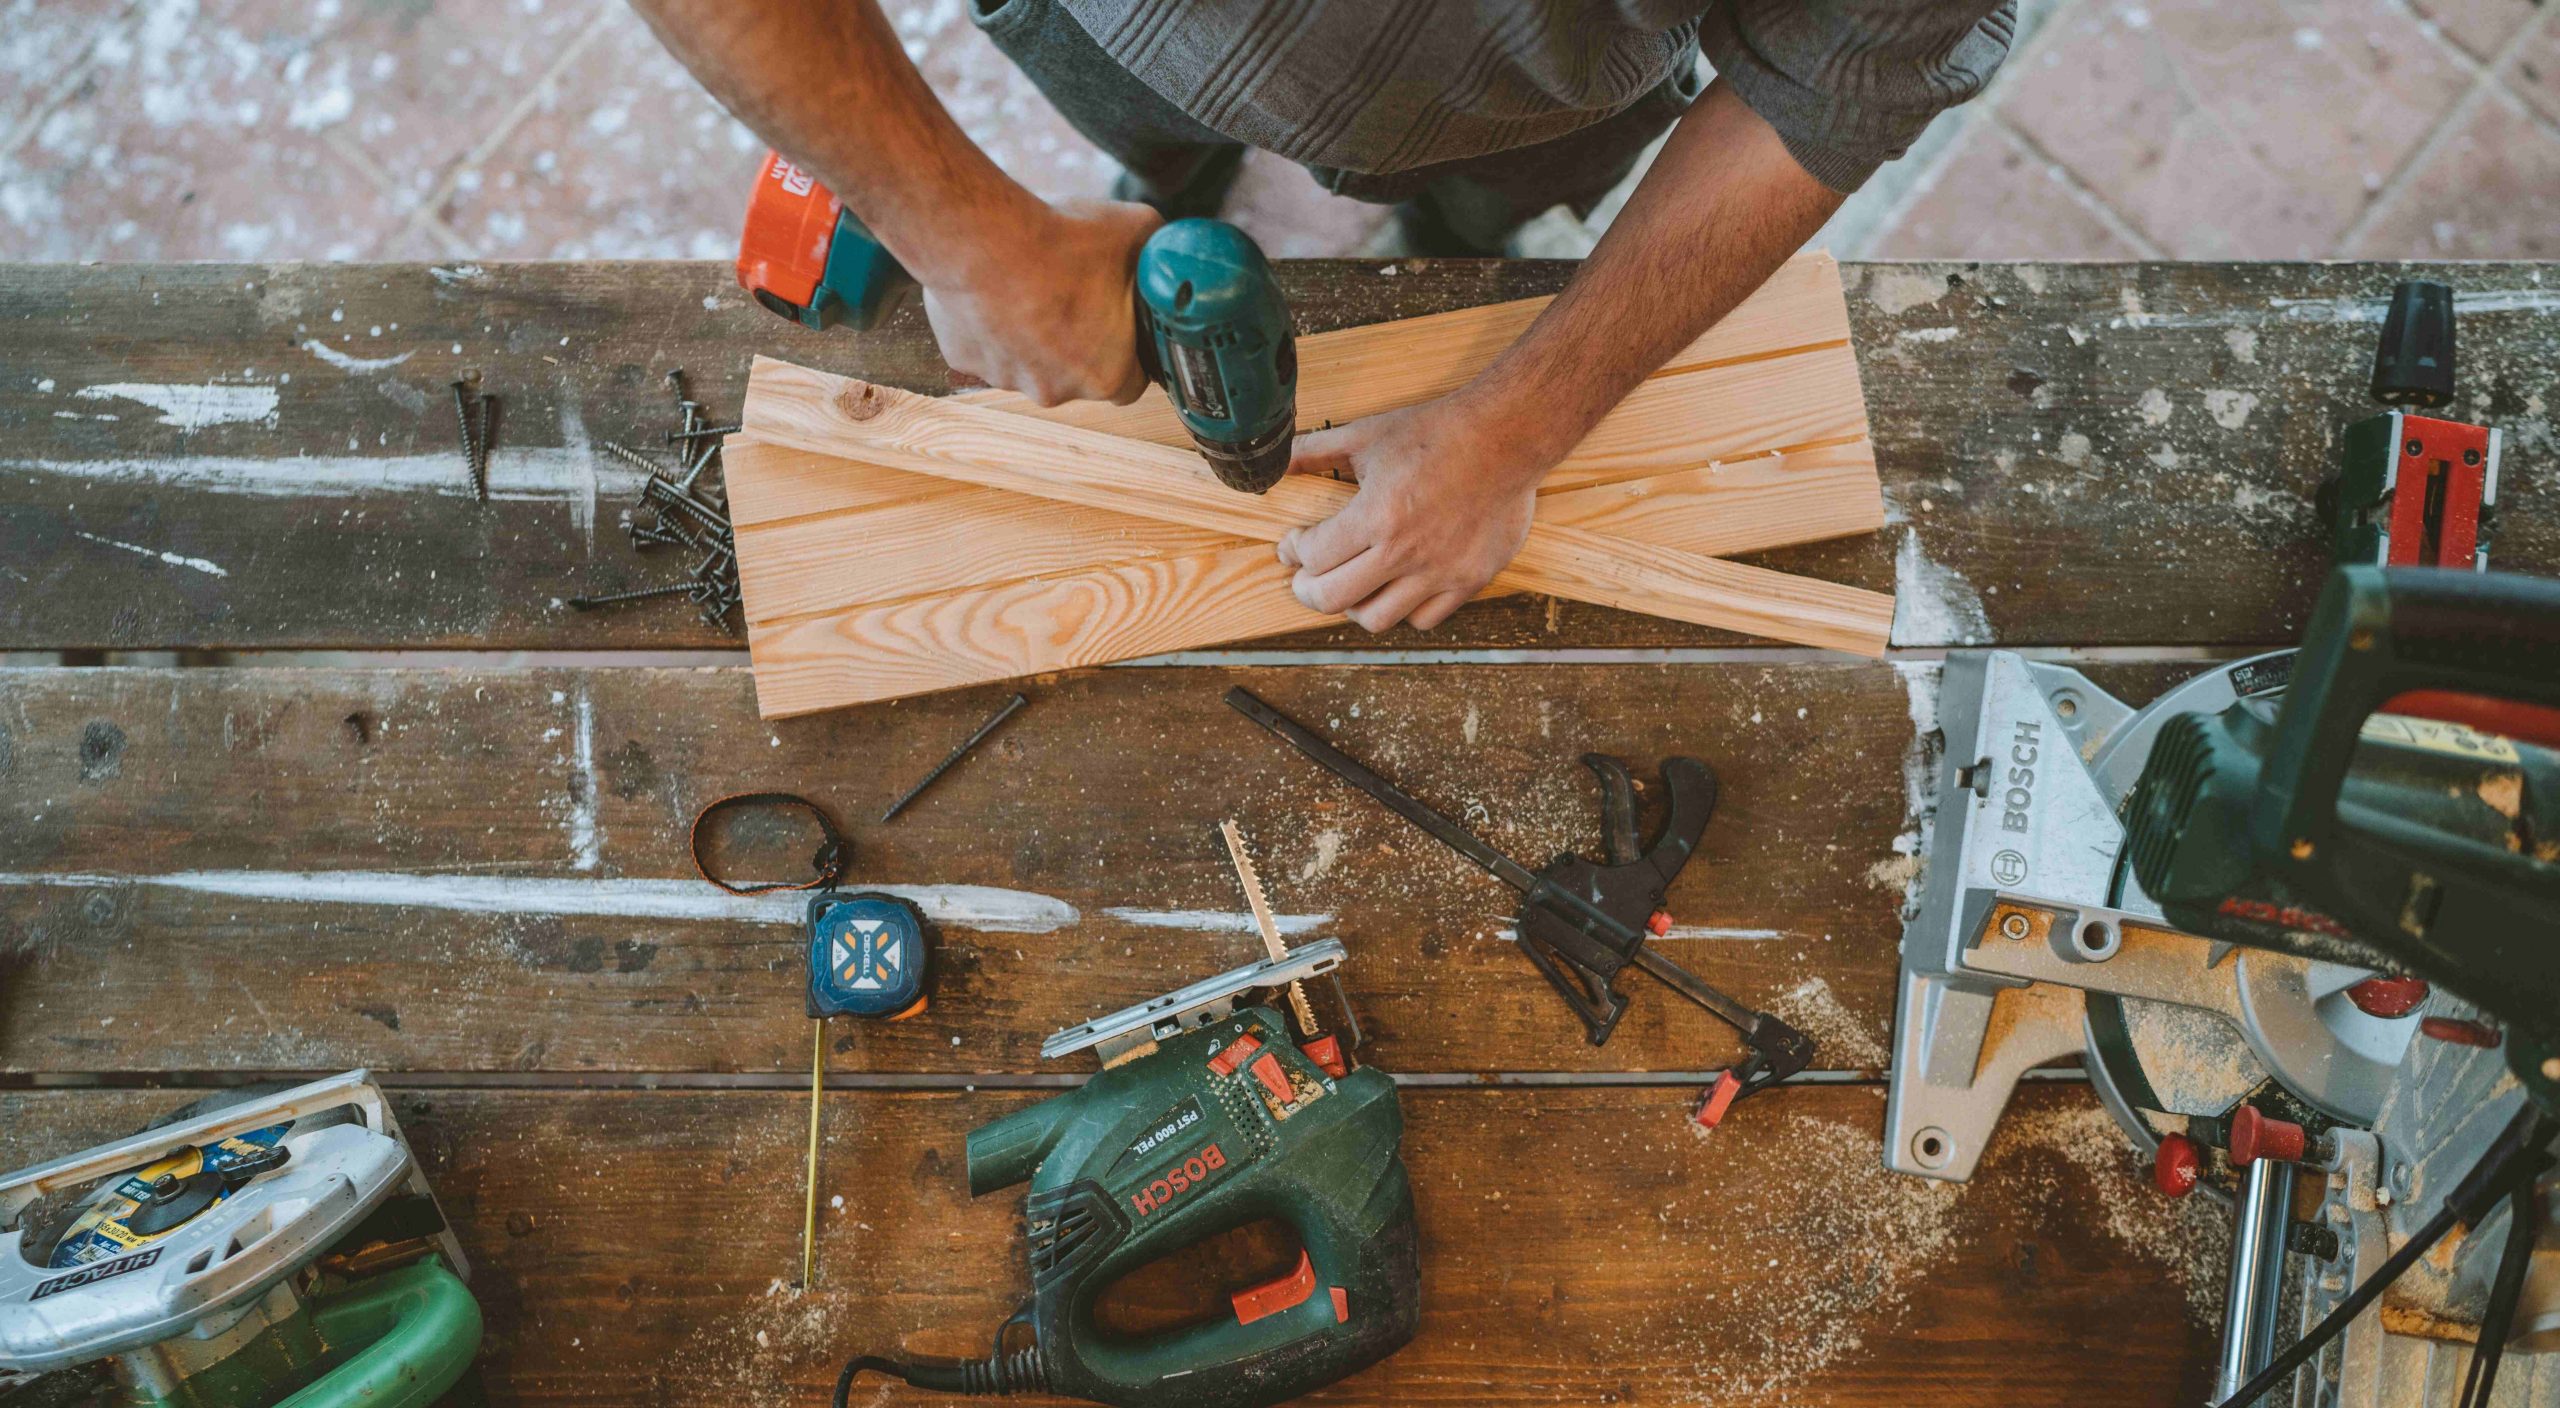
(1357, 372)
(809, 409)
(1580, 1246)
(1076, 586)
(475, 870)
(1119, 611)
(2020, 446)
(1724, 415)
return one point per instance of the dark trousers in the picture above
(1477, 200)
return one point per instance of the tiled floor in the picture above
(430, 129)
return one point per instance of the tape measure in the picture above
(867, 955)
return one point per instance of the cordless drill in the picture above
(1213, 330)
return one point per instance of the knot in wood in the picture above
(861, 402)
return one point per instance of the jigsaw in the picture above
(257, 1247)
(1208, 1114)
(2295, 916)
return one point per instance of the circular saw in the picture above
(258, 1245)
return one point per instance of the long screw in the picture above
(463, 392)
(635, 459)
(710, 452)
(1011, 707)
(700, 431)
(589, 603)
(487, 441)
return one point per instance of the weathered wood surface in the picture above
(1580, 1246)
(434, 870)
(2081, 454)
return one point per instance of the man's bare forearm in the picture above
(830, 86)
(1722, 207)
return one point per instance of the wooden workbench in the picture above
(468, 870)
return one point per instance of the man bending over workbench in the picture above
(1470, 116)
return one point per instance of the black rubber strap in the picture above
(829, 862)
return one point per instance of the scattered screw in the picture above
(701, 462)
(1011, 707)
(487, 441)
(464, 393)
(700, 431)
(589, 603)
(635, 459)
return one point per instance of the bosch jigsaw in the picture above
(1208, 1115)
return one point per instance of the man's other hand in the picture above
(1445, 500)
(1048, 310)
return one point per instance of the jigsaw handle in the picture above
(1353, 1299)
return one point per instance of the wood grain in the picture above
(899, 430)
(1092, 616)
(1795, 316)
(1073, 585)
(484, 869)
(1700, 420)
(1579, 1246)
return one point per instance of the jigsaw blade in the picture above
(1267, 926)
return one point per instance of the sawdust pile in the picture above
(1834, 1270)
(1844, 1040)
(1840, 1266)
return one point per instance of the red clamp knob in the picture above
(2176, 1168)
(1659, 924)
(2388, 997)
(2256, 1136)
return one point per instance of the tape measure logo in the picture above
(868, 965)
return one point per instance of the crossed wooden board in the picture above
(892, 544)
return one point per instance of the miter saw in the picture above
(2300, 914)
(264, 1246)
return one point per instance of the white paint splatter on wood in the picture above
(1214, 921)
(2230, 409)
(349, 363)
(528, 474)
(984, 908)
(1932, 603)
(192, 407)
(586, 840)
(213, 569)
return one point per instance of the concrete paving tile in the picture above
(2492, 192)
(2235, 128)
(2481, 27)
(39, 42)
(1002, 111)
(179, 144)
(416, 86)
(1997, 199)
(625, 156)
(2534, 72)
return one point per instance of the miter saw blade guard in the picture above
(260, 1244)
